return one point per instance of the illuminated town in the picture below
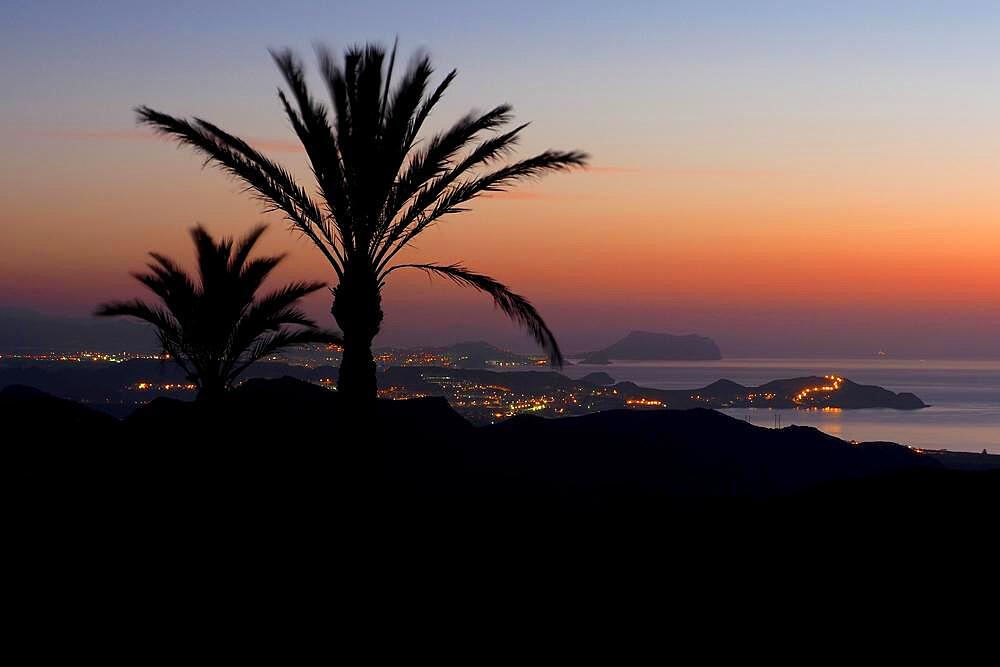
(488, 402)
(481, 382)
(167, 387)
(810, 396)
(460, 355)
(82, 357)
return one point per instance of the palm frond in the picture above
(256, 271)
(275, 307)
(317, 136)
(513, 305)
(533, 167)
(273, 184)
(212, 328)
(388, 80)
(279, 340)
(243, 248)
(429, 193)
(452, 199)
(436, 156)
(428, 104)
(213, 259)
(339, 88)
(169, 331)
(398, 120)
(141, 310)
(311, 112)
(277, 173)
(270, 313)
(172, 284)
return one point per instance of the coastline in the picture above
(963, 395)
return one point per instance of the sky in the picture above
(790, 178)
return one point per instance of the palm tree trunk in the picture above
(357, 307)
(357, 381)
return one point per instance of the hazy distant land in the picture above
(24, 330)
(649, 346)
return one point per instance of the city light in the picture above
(644, 402)
(834, 385)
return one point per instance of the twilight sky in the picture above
(794, 178)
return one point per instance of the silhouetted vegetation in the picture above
(378, 189)
(216, 329)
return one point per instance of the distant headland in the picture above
(649, 346)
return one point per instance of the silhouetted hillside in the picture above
(679, 452)
(278, 479)
(35, 416)
(600, 379)
(280, 432)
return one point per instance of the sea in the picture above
(964, 396)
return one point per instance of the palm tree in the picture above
(377, 188)
(214, 330)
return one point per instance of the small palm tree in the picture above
(216, 329)
(378, 189)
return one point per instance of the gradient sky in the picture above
(795, 178)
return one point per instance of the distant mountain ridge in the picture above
(650, 346)
(27, 331)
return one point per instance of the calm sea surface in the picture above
(964, 395)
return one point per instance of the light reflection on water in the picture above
(964, 395)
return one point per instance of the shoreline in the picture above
(963, 395)
(965, 461)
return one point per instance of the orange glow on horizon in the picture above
(761, 225)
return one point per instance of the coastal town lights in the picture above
(644, 402)
(834, 385)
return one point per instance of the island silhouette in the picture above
(649, 346)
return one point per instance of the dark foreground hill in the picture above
(278, 509)
(272, 441)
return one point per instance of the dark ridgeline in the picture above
(261, 490)
(378, 189)
(253, 506)
(260, 445)
(215, 329)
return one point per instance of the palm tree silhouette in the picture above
(216, 329)
(378, 190)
